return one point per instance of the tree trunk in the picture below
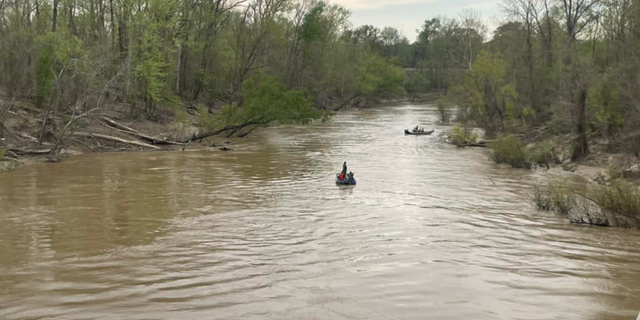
(530, 65)
(54, 25)
(115, 139)
(71, 14)
(582, 143)
(113, 23)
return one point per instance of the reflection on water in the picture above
(263, 233)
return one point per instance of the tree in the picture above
(267, 100)
(485, 96)
(578, 15)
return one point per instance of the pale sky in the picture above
(409, 15)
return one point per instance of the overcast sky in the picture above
(409, 15)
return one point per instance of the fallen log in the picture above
(478, 145)
(124, 129)
(24, 152)
(116, 139)
(225, 129)
(248, 132)
(117, 125)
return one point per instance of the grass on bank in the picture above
(614, 205)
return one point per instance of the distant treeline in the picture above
(570, 64)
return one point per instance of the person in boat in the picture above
(343, 173)
(416, 129)
(350, 176)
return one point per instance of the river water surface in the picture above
(262, 232)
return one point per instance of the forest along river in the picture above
(263, 232)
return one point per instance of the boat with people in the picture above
(418, 131)
(345, 178)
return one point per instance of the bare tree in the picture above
(472, 26)
(526, 12)
(578, 14)
(54, 25)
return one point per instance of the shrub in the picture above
(460, 136)
(543, 154)
(563, 199)
(615, 205)
(510, 150)
(444, 110)
(542, 198)
(555, 196)
(2, 154)
(621, 199)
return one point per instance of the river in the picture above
(263, 232)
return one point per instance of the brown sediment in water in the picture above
(431, 231)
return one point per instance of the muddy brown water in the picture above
(262, 232)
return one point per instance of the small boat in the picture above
(348, 181)
(419, 133)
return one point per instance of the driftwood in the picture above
(248, 132)
(186, 146)
(225, 129)
(131, 131)
(57, 147)
(22, 151)
(116, 139)
(481, 144)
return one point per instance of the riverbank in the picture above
(601, 188)
(111, 130)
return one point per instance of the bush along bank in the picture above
(613, 205)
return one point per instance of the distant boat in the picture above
(419, 133)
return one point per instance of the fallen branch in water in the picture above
(225, 129)
(481, 144)
(24, 152)
(116, 139)
(57, 147)
(248, 132)
(186, 146)
(134, 132)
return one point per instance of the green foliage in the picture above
(486, 94)
(445, 111)
(604, 103)
(2, 155)
(381, 78)
(542, 198)
(510, 150)
(267, 100)
(151, 63)
(564, 200)
(615, 205)
(555, 196)
(313, 25)
(621, 199)
(543, 154)
(416, 84)
(460, 136)
(57, 53)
